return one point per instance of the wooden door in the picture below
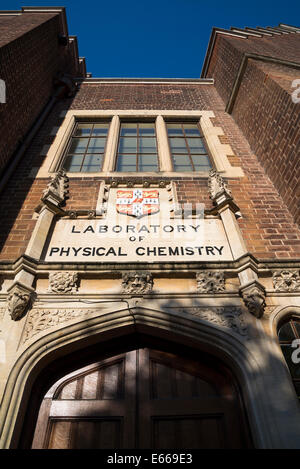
(142, 399)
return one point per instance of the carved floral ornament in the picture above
(286, 280)
(63, 282)
(137, 282)
(226, 316)
(40, 320)
(210, 281)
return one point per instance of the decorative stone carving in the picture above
(176, 208)
(18, 301)
(63, 282)
(41, 319)
(91, 214)
(286, 280)
(210, 281)
(57, 189)
(254, 299)
(137, 282)
(217, 186)
(225, 316)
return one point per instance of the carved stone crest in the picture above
(254, 299)
(286, 280)
(63, 282)
(137, 282)
(18, 301)
(210, 281)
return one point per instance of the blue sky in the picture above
(158, 38)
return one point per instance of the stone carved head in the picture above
(18, 301)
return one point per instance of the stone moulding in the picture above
(286, 280)
(63, 282)
(137, 282)
(210, 281)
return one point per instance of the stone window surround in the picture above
(218, 151)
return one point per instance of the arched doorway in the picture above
(144, 398)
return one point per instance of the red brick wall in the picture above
(228, 52)
(263, 108)
(270, 120)
(267, 224)
(30, 57)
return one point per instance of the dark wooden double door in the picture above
(142, 399)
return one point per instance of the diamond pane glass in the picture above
(297, 387)
(297, 326)
(290, 354)
(285, 333)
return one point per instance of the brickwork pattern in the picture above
(263, 108)
(27, 65)
(266, 223)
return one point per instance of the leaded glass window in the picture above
(137, 149)
(86, 148)
(288, 335)
(187, 148)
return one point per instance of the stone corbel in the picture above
(254, 296)
(19, 300)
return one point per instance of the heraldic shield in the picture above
(137, 202)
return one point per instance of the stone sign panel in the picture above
(138, 228)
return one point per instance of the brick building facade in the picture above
(220, 308)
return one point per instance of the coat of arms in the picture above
(137, 202)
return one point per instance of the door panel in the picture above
(85, 434)
(142, 399)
